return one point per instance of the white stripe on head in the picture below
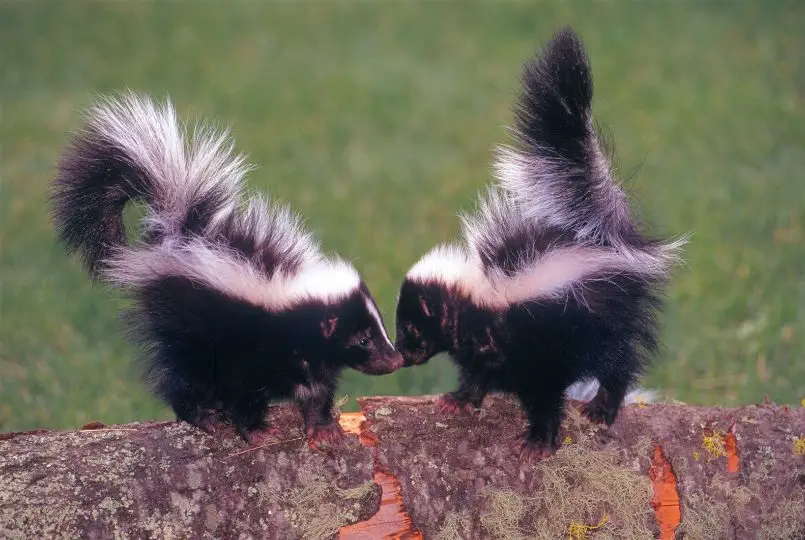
(370, 305)
(452, 266)
(327, 281)
(447, 264)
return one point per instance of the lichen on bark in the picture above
(728, 473)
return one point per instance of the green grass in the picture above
(376, 121)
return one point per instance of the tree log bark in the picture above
(660, 471)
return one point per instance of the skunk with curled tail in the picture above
(554, 283)
(234, 302)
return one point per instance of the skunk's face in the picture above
(421, 309)
(357, 337)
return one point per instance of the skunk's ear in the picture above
(329, 325)
(423, 303)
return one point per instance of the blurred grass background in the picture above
(376, 121)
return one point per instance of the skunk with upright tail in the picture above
(234, 303)
(554, 282)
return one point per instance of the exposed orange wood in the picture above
(391, 521)
(731, 447)
(665, 500)
(351, 422)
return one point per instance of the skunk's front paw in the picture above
(535, 451)
(209, 422)
(323, 436)
(264, 435)
(449, 404)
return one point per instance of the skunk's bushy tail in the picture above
(134, 148)
(557, 168)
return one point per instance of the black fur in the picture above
(536, 349)
(522, 244)
(210, 352)
(213, 356)
(603, 325)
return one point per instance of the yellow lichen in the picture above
(799, 446)
(714, 445)
(568, 440)
(696, 455)
(580, 531)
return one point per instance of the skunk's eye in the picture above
(364, 342)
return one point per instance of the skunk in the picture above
(233, 301)
(553, 282)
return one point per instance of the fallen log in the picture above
(404, 471)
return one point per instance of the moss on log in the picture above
(660, 471)
(170, 480)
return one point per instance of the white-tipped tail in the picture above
(135, 148)
(182, 169)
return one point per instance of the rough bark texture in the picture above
(460, 477)
(170, 480)
(660, 471)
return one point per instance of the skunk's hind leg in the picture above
(544, 409)
(604, 407)
(614, 383)
(248, 414)
(469, 395)
(189, 403)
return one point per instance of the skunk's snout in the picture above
(382, 363)
(414, 357)
(396, 361)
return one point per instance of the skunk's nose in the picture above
(396, 361)
(382, 363)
